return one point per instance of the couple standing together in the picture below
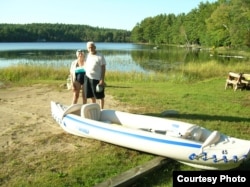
(88, 75)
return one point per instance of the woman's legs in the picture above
(76, 92)
(84, 99)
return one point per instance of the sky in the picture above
(113, 14)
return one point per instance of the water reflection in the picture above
(120, 57)
(62, 58)
(123, 63)
(116, 60)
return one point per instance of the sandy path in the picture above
(26, 122)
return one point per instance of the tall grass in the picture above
(30, 72)
(211, 69)
(193, 71)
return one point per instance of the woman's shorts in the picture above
(80, 77)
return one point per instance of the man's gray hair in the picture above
(90, 44)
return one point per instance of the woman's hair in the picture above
(79, 51)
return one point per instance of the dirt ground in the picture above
(26, 122)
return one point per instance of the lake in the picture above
(124, 57)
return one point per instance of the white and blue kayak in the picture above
(184, 142)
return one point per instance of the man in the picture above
(95, 67)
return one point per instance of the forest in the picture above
(38, 32)
(221, 23)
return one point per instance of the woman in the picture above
(77, 73)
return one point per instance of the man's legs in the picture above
(102, 103)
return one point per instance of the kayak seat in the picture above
(72, 109)
(91, 111)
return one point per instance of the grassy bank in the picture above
(196, 91)
(190, 72)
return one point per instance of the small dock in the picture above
(128, 177)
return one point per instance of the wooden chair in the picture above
(237, 81)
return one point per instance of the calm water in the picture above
(118, 55)
(124, 57)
